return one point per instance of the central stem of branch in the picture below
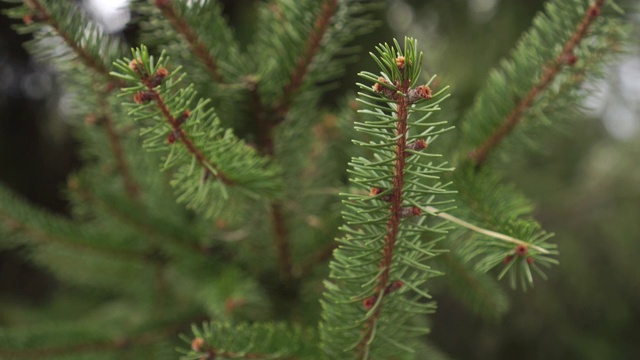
(395, 209)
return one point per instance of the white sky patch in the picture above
(112, 14)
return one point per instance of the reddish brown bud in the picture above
(135, 65)
(31, 18)
(410, 211)
(143, 97)
(417, 145)
(424, 91)
(530, 260)
(162, 3)
(369, 302)
(197, 344)
(160, 74)
(171, 138)
(507, 259)
(593, 11)
(570, 59)
(393, 286)
(233, 303)
(377, 191)
(90, 119)
(377, 87)
(522, 250)
(400, 62)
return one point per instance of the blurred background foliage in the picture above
(585, 178)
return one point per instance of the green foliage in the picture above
(244, 341)
(210, 160)
(238, 228)
(362, 270)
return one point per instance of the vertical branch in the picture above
(281, 241)
(198, 47)
(550, 71)
(131, 187)
(395, 210)
(298, 74)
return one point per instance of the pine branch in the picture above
(178, 134)
(281, 241)
(86, 194)
(321, 26)
(226, 163)
(13, 223)
(395, 209)
(381, 259)
(111, 345)
(41, 13)
(218, 340)
(131, 187)
(550, 71)
(180, 24)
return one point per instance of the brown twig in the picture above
(281, 241)
(131, 187)
(395, 210)
(198, 47)
(178, 134)
(320, 257)
(320, 27)
(93, 63)
(550, 71)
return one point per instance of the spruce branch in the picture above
(181, 25)
(566, 57)
(314, 39)
(172, 116)
(93, 199)
(219, 340)
(148, 337)
(40, 236)
(378, 272)
(488, 127)
(64, 19)
(178, 133)
(131, 187)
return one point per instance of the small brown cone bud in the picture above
(369, 302)
(143, 97)
(197, 344)
(507, 259)
(521, 250)
(530, 260)
(160, 74)
(410, 211)
(393, 286)
(594, 11)
(400, 62)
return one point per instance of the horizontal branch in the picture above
(14, 224)
(118, 344)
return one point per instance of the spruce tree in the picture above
(213, 182)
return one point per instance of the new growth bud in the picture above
(143, 97)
